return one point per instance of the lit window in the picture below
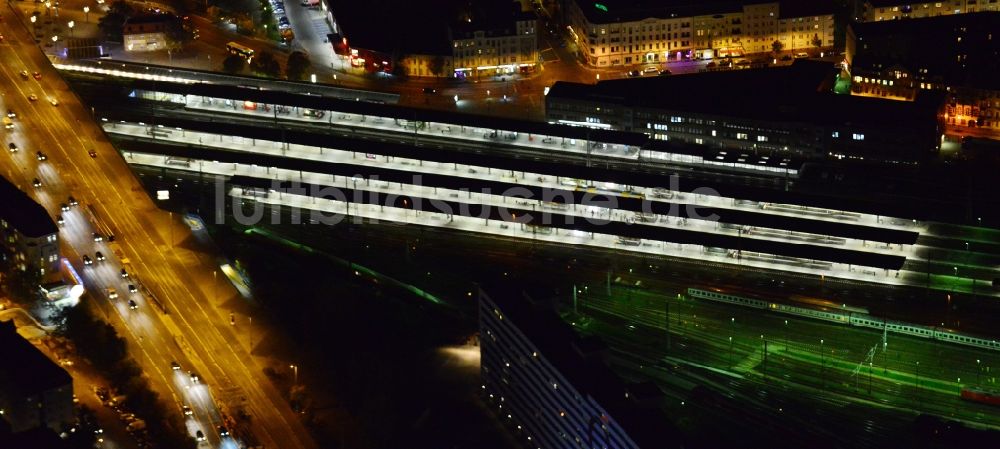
(857, 136)
(713, 133)
(835, 134)
(762, 138)
(699, 141)
(742, 136)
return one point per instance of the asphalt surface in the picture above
(194, 332)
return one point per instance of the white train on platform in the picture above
(847, 315)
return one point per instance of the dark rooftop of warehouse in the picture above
(23, 213)
(611, 11)
(801, 92)
(934, 44)
(411, 27)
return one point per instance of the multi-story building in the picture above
(34, 391)
(500, 47)
(786, 111)
(30, 237)
(958, 55)
(880, 10)
(552, 387)
(623, 33)
(147, 33)
(461, 39)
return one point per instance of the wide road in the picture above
(195, 332)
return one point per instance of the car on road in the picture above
(801, 55)
(199, 435)
(786, 58)
(73, 201)
(99, 256)
(112, 293)
(98, 237)
(87, 260)
(92, 153)
(430, 90)
(59, 220)
(24, 74)
(132, 304)
(36, 182)
(194, 377)
(36, 75)
(32, 97)
(11, 113)
(124, 273)
(175, 366)
(41, 156)
(12, 147)
(650, 70)
(53, 101)
(665, 72)
(64, 207)
(186, 410)
(132, 289)
(223, 431)
(634, 73)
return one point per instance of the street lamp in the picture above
(822, 370)
(295, 369)
(71, 24)
(786, 335)
(86, 12)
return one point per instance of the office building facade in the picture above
(528, 359)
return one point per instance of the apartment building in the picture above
(30, 237)
(625, 33)
(881, 10)
(496, 47)
(954, 54)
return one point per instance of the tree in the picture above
(264, 64)
(178, 33)
(233, 64)
(777, 46)
(298, 64)
(436, 65)
(113, 23)
(816, 41)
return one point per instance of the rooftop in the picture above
(609, 11)
(935, 44)
(800, 93)
(25, 369)
(579, 361)
(23, 213)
